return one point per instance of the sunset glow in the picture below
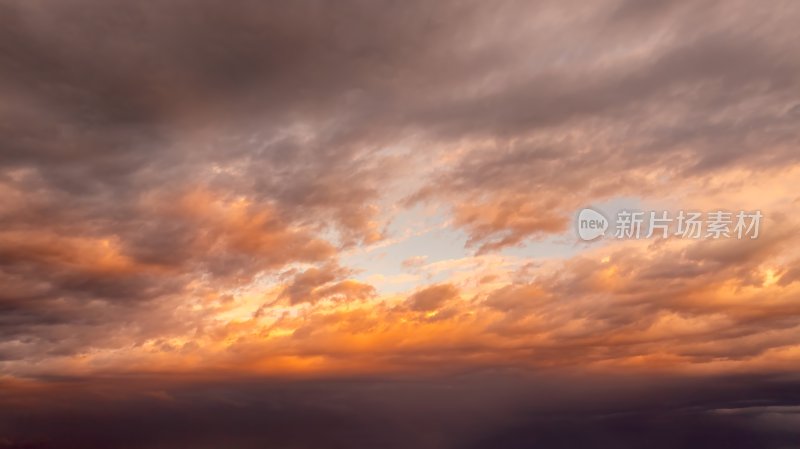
(340, 215)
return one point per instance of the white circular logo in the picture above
(591, 224)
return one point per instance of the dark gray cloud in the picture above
(689, 92)
(139, 127)
(471, 411)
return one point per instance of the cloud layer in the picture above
(185, 185)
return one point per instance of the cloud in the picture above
(629, 109)
(474, 410)
(414, 262)
(433, 297)
(183, 177)
(327, 282)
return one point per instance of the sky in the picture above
(358, 218)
